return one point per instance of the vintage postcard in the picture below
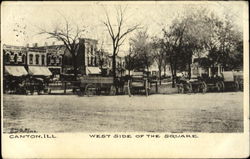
(125, 79)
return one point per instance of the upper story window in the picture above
(23, 58)
(89, 60)
(48, 59)
(91, 50)
(31, 59)
(7, 58)
(60, 60)
(43, 59)
(15, 58)
(37, 59)
(53, 60)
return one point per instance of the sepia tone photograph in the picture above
(125, 79)
(122, 67)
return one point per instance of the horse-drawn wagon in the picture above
(138, 83)
(95, 85)
(191, 85)
(232, 80)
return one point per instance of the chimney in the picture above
(45, 44)
(53, 43)
(27, 45)
(35, 45)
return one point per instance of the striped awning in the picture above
(39, 71)
(16, 71)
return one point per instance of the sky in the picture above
(21, 21)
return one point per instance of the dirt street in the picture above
(210, 112)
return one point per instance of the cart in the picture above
(138, 83)
(37, 84)
(96, 85)
(214, 83)
(193, 85)
(230, 80)
(238, 76)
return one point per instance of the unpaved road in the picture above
(210, 112)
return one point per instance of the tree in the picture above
(224, 42)
(142, 50)
(118, 35)
(159, 54)
(130, 61)
(70, 37)
(172, 43)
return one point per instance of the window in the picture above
(48, 59)
(60, 60)
(43, 59)
(7, 58)
(52, 60)
(23, 58)
(95, 61)
(31, 59)
(91, 50)
(15, 58)
(91, 61)
(37, 59)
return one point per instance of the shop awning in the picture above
(94, 70)
(16, 70)
(39, 71)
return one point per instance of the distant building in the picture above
(14, 60)
(87, 58)
(37, 61)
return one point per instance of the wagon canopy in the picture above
(16, 71)
(93, 70)
(39, 71)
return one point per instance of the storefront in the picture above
(39, 71)
(14, 79)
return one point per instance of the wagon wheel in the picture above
(89, 90)
(236, 86)
(203, 87)
(222, 86)
(112, 90)
(80, 92)
(189, 87)
(180, 88)
(219, 86)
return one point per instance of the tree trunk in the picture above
(172, 71)
(114, 64)
(147, 71)
(114, 69)
(164, 69)
(160, 74)
(189, 66)
(75, 67)
(159, 68)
